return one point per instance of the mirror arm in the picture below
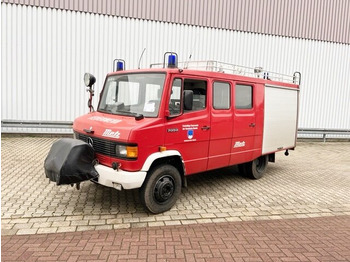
(168, 116)
(171, 117)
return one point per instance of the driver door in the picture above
(187, 130)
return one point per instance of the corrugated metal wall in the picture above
(327, 20)
(45, 53)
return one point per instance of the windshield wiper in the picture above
(128, 113)
(104, 110)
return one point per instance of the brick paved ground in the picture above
(312, 181)
(306, 239)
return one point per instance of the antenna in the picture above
(191, 51)
(141, 57)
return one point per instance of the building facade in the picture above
(47, 46)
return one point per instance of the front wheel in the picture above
(161, 189)
(256, 168)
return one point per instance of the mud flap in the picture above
(70, 161)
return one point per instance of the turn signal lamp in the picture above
(132, 151)
(126, 151)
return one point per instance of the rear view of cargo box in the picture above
(280, 118)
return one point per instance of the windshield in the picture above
(132, 94)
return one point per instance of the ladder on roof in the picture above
(222, 67)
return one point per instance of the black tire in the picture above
(256, 168)
(161, 189)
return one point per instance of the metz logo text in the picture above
(110, 133)
(239, 144)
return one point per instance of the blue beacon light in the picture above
(172, 61)
(120, 66)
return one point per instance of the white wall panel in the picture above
(45, 53)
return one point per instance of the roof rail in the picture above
(222, 67)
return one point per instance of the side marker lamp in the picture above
(162, 148)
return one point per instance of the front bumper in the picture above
(116, 178)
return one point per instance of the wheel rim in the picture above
(260, 164)
(164, 189)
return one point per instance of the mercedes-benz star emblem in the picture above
(90, 142)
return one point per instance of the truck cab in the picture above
(154, 127)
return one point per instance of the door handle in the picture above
(252, 125)
(205, 127)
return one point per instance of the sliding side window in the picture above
(221, 95)
(244, 97)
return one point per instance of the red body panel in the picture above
(141, 132)
(206, 139)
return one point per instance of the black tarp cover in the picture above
(70, 161)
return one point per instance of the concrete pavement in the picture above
(299, 211)
(312, 181)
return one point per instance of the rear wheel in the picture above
(161, 189)
(256, 168)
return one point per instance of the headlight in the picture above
(120, 150)
(126, 151)
(89, 80)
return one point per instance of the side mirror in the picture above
(188, 99)
(89, 79)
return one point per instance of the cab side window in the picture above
(175, 97)
(199, 88)
(244, 97)
(221, 95)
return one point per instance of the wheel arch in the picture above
(171, 157)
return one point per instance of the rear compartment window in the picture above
(221, 95)
(244, 97)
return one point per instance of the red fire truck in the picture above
(154, 127)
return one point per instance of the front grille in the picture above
(101, 146)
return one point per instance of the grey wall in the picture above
(326, 20)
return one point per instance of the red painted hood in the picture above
(109, 126)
